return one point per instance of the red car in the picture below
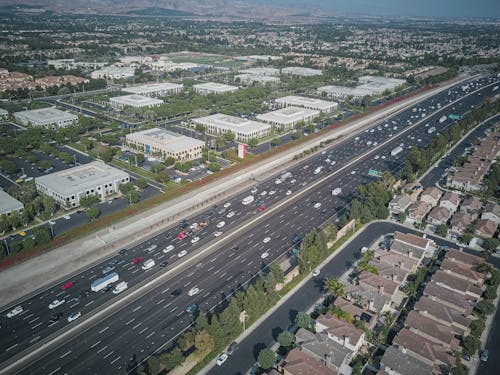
(69, 284)
(181, 235)
(262, 208)
(137, 260)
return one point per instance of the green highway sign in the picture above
(374, 173)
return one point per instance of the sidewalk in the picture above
(20, 280)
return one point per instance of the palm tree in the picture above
(335, 287)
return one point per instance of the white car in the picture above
(264, 193)
(151, 247)
(193, 291)
(217, 234)
(226, 205)
(375, 143)
(317, 205)
(383, 156)
(277, 181)
(230, 214)
(376, 157)
(168, 248)
(52, 222)
(221, 224)
(222, 358)
(272, 192)
(336, 191)
(56, 303)
(315, 273)
(182, 253)
(74, 316)
(254, 190)
(293, 180)
(368, 143)
(288, 192)
(353, 172)
(333, 162)
(15, 311)
(266, 240)
(193, 226)
(264, 255)
(67, 217)
(195, 239)
(357, 138)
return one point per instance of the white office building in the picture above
(343, 92)
(68, 186)
(272, 72)
(301, 71)
(369, 86)
(9, 204)
(4, 114)
(49, 117)
(249, 79)
(243, 129)
(135, 101)
(213, 88)
(163, 144)
(287, 118)
(154, 89)
(113, 72)
(309, 103)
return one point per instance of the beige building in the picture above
(309, 103)
(163, 143)
(213, 88)
(135, 101)
(287, 118)
(46, 117)
(243, 129)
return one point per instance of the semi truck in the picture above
(442, 119)
(396, 151)
(285, 176)
(102, 283)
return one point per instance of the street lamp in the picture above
(7, 246)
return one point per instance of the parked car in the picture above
(222, 358)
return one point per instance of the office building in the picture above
(213, 88)
(243, 129)
(9, 204)
(135, 101)
(49, 117)
(301, 71)
(309, 103)
(154, 89)
(287, 118)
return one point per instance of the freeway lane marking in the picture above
(28, 316)
(39, 324)
(165, 290)
(211, 268)
(221, 276)
(97, 343)
(180, 313)
(190, 274)
(65, 354)
(90, 303)
(160, 301)
(104, 329)
(102, 349)
(187, 284)
(114, 360)
(56, 370)
(73, 305)
(175, 308)
(144, 330)
(130, 321)
(92, 276)
(137, 308)
(107, 355)
(33, 320)
(151, 334)
(35, 339)
(11, 347)
(137, 325)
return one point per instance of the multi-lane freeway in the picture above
(252, 237)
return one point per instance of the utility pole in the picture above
(7, 246)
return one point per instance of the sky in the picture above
(419, 8)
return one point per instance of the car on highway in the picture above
(55, 318)
(195, 239)
(315, 273)
(181, 235)
(262, 207)
(336, 191)
(254, 190)
(222, 358)
(163, 264)
(220, 224)
(56, 303)
(176, 292)
(192, 308)
(108, 269)
(266, 240)
(230, 214)
(317, 205)
(74, 316)
(272, 192)
(122, 251)
(136, 260)
(264, 255)
(193, 291)
(182, 253)
(168, 249)
(353, 172)
(217, 233)
(68, 285)
(288, 192)
(232, 348)
(293, 180)
(67, 217)
(193, 226)
(264, 193)
(15, 311)
(151, 247)
(226, 205)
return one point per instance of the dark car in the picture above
(484, 355)
(122, 251)
(192, 308)
(163, 264)
(466, 357)
(55, 318)
(232, 348)
(235, 247)
(176, 292)
(108, 288)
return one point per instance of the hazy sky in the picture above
(424, 8)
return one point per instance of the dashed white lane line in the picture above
(160, 301)
(114, 360)
(137, 308)
(65, 354)
(90, 303)
(107, 355)
(137, 325)
(33, 320)
(56, 370)
(211, 268)
(130, 321)
(73, 305)
(35, 339)
(143, 330)
(104, 329)
(94, 345)
(165, 290)
(102, 349)
(28, 316)
(11, 347)
(36, 325)
(151, 334)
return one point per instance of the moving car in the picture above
(336, 191)
(195, 239)
(192, 308)
(230, 214)
(264, 193)
(193, 226)
(15, 311)
(68, 285)
(222, 358)
(108, 269)
(484, 354)
(182, 253)
(317, 205)
(193, 291)
(148, 264)
(262, 207)
(264, 255)
(175, 292)
(266, 240)
(288, 192)
(136, 261)
(217, 233)
(181, 235)
(221, 224)
(232, 348)
(67, 217)
(22, 233)
(226, 205)
(163, 264)
(55, 318)
(151, 247)
(74, 316)
(56, 303)
(168, 248)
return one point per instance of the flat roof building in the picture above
(287, 118)
(369, 85)
(213, 88)
(301, 71)
(243, 129)
(113, 72)
(305, 102)
(9, 204)
(256, 78)
(49, 117)
(154, 89)
(261, 71)
(163, 143)
(135, 101)
(342, 92)
(68, 186)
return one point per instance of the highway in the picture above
(158, 317)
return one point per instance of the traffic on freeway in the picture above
(160, 315)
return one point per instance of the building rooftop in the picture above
(261, 71)
(298, 363)
(378, 283)
(136, 100)
(455, 283)
(8, 203)
(215, 86)
(425, 326)
(80, 178)
(46, 115)
(428, 307)
(411, 239)
(340, 328)
(288, 115)
(403, 363)
(152, 87)
(299, 70)
(301, 101)
(463, 257)
(173, 141)
(233, 123)
(448, 297)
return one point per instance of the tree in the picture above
(276, 141)
(133, 197)
(42, 235)
(201, 322)
(92, 213)
(490, 244)
(266, 358)
(330, 231)
(490, 293)
(471, 345)
(28, 243)
(162, 176)
(156, 168)
(230, 319)
(302, 320)
(126, 188)
(172, 359)
(285, 339)
(169, 161)
(203, 341)
(335, 287)
(441, 230)
(153, 365)
(49, 204)
(253, 142)
(229, 136)
(141, 183)
(186, 341)
(214, 167)
(485, 307)
(401, 217)
(89, 201)
(467, 237)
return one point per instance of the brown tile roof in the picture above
(452, 197)
(427, 327)
(298, 363)
(462, 271)
(396, 260)
(411, 239)
(472, 203)
(464, 258)
(445, 296)
(354, 310)
(485, 228)
(388, 271)
(441, 214)
(454, 283)
(461, 220)
(403, 363)
(445, 315)
(340, 328)
(418, 209)
(378, 283)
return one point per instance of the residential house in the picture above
(460, 222)
(417, 211)
(463, 272)
(457, 322)
(399, 203)
(459, 285)
(431, 330)
(414, 243)
(450, 200)
(465, 259)
(379, 284)
(413, 189)
(395, 362)
(431, 196)
(423, 349)
(343, 333)
(323, 350)
(356, 311)
(438, 216)
(471, 205)
(368, 298)
(485, 228)
(299, 363)
(450, 298)
(388, 271)
(397, 260)
(491, 212)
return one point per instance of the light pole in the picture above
(51, 230)
(7, 246)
